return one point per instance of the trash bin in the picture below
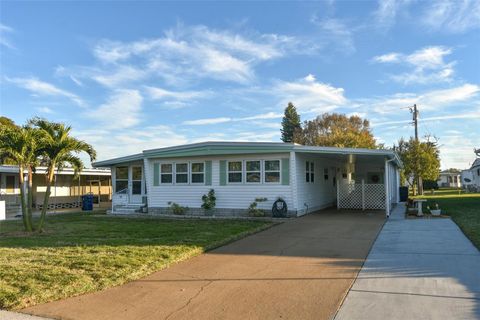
(403, 194)
(87, 202)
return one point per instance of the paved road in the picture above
(301, 269)
(7, 315)
(417, 269)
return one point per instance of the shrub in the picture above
(254, 211)
(209, 200)
(177, 209)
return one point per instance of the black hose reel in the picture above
(279, 208)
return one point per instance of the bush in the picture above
(253, 210)
(430, 184)
(209, 200)
(177, 209)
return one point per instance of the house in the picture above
(307, 178)
(471, 177)
(449, 179)
(66, 191)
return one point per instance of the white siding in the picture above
(237, 196)
(321, 193)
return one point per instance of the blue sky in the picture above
(129, 76)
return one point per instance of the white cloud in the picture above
(42, 88)
(427, 65)
(309, 95)
(334, 35)
(186, 53)
(455, 16)
(387, 12)
(208, 121)
(162, 94)
(45, 110)
(389, 57)
(120, 75)
(4, 30)
(122, 110)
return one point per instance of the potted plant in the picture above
(435, 210)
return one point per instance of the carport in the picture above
(359, 179)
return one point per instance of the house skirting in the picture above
(232, 212)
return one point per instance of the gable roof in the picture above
(210, 148)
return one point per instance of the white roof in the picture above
(64, 171)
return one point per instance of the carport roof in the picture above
(210, 148)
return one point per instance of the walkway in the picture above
(301, 269)
(417, 269)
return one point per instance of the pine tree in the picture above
(290, 123)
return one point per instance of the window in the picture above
(235, 172)
(310, 172)
(198, 172)
(137, 180)
(253, 171)
(121, 178)
(166, 173)
(325, 173)
(181, 173)
(272, 171)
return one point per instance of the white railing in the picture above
(361, 196)
(120, 197)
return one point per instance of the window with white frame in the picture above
(272, 171)
(235, 172)
(181, 173)
(253, 171)
(121, 178)
(310, 172)
(166, 173)
(198, 172)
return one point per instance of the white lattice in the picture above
(361, 196)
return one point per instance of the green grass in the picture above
(80, 253)
(463, 208)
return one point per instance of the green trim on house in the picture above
(156, 174)
(223, 172)
(208, 172)
(285, 171)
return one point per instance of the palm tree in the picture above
(19, 146)
(58, 149)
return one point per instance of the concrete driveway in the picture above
(300, 269)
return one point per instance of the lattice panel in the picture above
(374, 196)
(361, 196)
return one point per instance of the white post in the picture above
(338, 190)
(385, 181)
(3, 215)
(363, 194)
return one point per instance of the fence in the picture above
(361, 196)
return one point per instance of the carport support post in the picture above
(386, 181)
(363, 194)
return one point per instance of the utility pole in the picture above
(414, 111)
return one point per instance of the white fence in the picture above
(361, 196)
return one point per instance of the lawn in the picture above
(463, 208)
(80, 253)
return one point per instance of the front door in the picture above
(136, 183)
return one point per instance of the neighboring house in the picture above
(66, 191)
(471, 177)
(449, 179)
(306, 178)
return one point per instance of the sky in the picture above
(130, 76)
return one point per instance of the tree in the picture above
(290, 123)
(58, 149)
(337, 130)
(420, 159)
(19, 146)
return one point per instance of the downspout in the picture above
(387, 182)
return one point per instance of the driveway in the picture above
(300, 269)
(417, 269)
